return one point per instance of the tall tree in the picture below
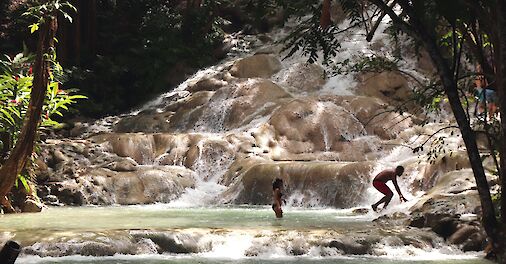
(473, 27)
(500, 59)
(419, 19)
(46, 14)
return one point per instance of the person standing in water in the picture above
(277, 186)
(380, 181)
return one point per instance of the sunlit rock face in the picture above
(302, 78)
(306, 125)
(316, 183)
(91, 173)
(145, 185)
(207, 84)
(237, 104)
(260, 65)
(447, 188)
(453, 161)
(252, 119)
(239, 127)
(391, 87)
(175, 116)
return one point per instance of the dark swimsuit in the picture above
(382, 187)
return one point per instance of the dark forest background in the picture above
(122, 53)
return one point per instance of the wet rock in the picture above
(146, 246)
(237, 104)
(260, 65)
(392, 241)
(78, 129)
(307, 125)
(70, 195)
(51, 200)
(97, 249)
(302, 77)
(350, 247)
(139, 147)
(173, 116)
(417, 220)
(299, 246)
(376, 115)
(396, 219)
(422, 241)
(240, 166)
(41, 169)
(208, 84)
(453, 161)
(143, 186)
(462, 233)
(360, 211)
(90, 246)
(210, 155)
(59, 156)
(391, 87)
(32, 206)
(339, 185)
(171, 243)
(444, 226)
(475, 242)
(145, 122)
(123, 165)
(452, 195)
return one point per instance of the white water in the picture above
(236, 235)
(222, 235)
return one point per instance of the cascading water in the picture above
(210, 167)
(225, 216)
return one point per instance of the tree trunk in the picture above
(417, 29)
(500, 60)
(76, 25)
(5, 137)
(325, 16)
(489, 220)
(24, 146)
(91, 27)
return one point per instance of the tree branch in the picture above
(371, 33)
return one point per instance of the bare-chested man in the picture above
(380, 181)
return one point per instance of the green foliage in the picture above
(15, 86)
(363, 63)
(43, 10)
(311, 39)
(352, 9)
(430, 96)
(139, 44)
(23, 179)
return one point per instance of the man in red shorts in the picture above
(380, 181)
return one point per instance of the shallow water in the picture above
(232, 230)
(195, 260)
(163, 217)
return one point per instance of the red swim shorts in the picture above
(382, 187)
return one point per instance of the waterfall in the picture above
(210, 167)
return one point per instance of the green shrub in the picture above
(15, 86)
